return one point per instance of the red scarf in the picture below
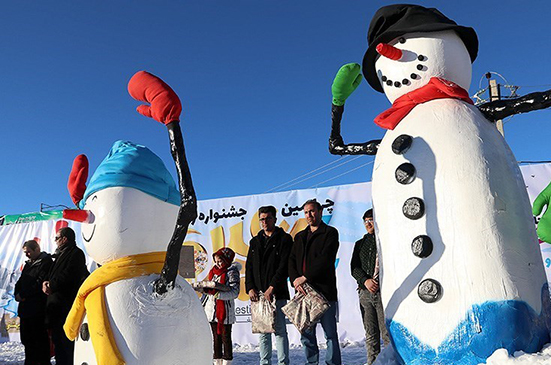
(437, 88)
(220, 306)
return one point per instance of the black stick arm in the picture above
(186, 214)
(336, 143)
(500, 109)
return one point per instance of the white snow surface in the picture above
(12, 353)
(499, 357)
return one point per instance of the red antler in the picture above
(77, 179)
(165, 104)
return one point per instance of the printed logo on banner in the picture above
(546, 256)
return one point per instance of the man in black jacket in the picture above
(32, 305)
(65, 277)
(364, 268)
(312, 261)
(266, 274)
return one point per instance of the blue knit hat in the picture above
(133, 166)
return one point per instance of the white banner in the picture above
(537, 177)
(232, 222)
(12, 258)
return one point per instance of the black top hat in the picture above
(390, 22)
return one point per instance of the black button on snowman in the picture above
(429, 290)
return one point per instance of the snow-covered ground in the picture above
(499, 357)
(11, 353)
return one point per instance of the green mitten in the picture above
(347, 80)
(544, 225)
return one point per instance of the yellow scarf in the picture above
(91, 300)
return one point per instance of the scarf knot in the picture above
(436, 88)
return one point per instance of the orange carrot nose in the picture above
(389, 51)
(78, 215)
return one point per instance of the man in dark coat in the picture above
(32, 305)
(365, 269)
(65, 277)
(312, 261)
(266, 274)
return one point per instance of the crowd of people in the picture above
(45, 291)
(273, 258)
(49, 284)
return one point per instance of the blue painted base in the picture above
(509, 324)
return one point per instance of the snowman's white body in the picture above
(148, 329)
(151, 330)
(476, 212)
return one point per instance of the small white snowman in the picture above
(462, 274)
(125, 312)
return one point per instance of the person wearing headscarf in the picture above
(220, 303)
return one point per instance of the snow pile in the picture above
(12, 353)
(499, 357)
(245, 348)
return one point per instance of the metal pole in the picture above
(495, 94)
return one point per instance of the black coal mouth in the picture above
(413, 76)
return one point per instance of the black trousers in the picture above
(223, 346)
(64, 348)
(34, 337)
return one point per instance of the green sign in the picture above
(31, 217)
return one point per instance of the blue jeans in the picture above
(281, 339)
(308, 338)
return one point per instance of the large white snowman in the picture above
(461, 268)
(125, 313)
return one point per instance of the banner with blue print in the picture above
(232, 222)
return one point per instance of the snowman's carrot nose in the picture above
(389, 51)
(78, 215)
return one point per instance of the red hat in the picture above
(226, 254)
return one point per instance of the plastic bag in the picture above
(263, 315)
(200, 286)
(305, 311)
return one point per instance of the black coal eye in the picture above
(402, 40)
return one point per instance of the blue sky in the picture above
(254, 78)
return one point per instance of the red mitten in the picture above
(165, 105)
(77, 179)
